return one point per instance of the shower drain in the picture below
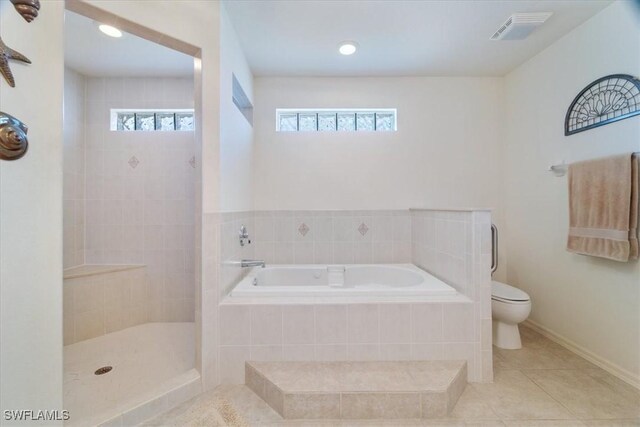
(103, 370)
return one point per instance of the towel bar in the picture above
(561, 169)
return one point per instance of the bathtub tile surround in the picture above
(229, 248)
(102, 300)
(312, 237)
(455, 246)
(333, 237)
(208, 273)
(363, 390)
(451, 328)
(335, 332)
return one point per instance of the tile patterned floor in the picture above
(543, 384)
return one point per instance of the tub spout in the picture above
(251, 263)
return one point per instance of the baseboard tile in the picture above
(612, 368)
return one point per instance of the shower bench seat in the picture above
(93, 269)
(102, 298)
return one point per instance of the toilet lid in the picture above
(507, 293)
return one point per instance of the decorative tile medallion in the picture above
(363, 229)
(192, 162)
(134, 162)
(303, 229)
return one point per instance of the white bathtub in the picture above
(385, 280)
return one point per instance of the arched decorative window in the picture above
(606, 100)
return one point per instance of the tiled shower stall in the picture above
(128, 199)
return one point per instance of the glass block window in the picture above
(152, 120)
(385, 121)
(307, 122)
(288, 122)
(335, 120)
(165, 121)
(126, 121)
(365, 121)
(327, 121)
(145, 121)
(184, 121)
(346, 121)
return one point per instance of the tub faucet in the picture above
(252, 263)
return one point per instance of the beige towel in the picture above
(603, 208)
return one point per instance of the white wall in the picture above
(448, 134)
(73, 181)
(236, 133)
(589, 301)
(31, 218)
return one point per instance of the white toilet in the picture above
(509, 306)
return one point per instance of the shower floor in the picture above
(148, 361)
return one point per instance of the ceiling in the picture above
(92, 53)
(396, 37)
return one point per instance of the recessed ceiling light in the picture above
(110, 31)
(348, 48)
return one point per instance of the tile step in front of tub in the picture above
(358, 390)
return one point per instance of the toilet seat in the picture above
(508, 294)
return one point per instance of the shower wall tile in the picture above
(140, 191)
(74, 169)
(102, 303)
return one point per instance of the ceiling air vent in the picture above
(519, 25)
